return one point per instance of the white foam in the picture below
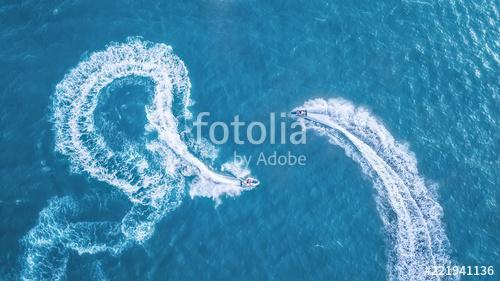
(76, 98)
(409, 212)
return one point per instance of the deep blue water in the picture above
(427, 70)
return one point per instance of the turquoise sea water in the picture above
(427, 73)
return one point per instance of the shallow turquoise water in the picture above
(428, 71)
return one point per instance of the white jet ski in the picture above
(249, 182)
(299, 113)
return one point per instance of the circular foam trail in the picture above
(150, 176)
(131, 171)
(407, 207)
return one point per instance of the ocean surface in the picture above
(102, 177)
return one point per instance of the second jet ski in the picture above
(299, 113)
(249, 182)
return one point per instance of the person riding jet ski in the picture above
(300, 112)
(250, 182)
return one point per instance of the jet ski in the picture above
(299, 113)
(249, 182)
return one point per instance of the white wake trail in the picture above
(77, 97)
(409, 211)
